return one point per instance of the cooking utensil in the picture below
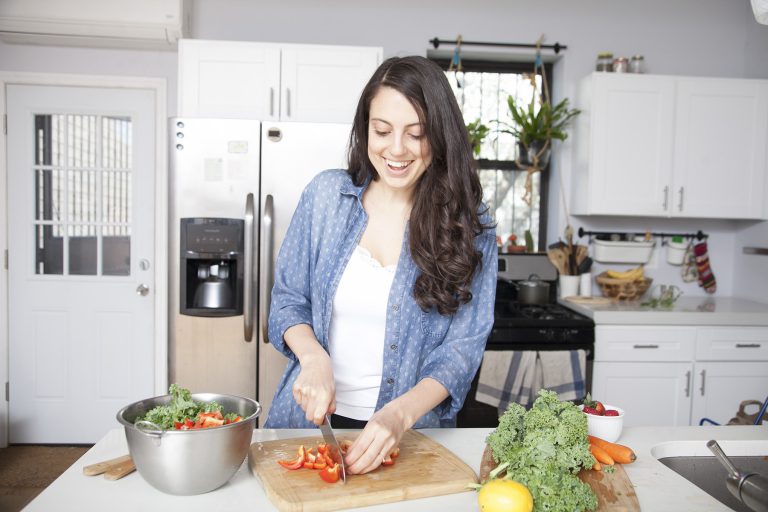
(749, 488)
(581, 253)
(186, 462)
(559, 259)
(532, 291)
(571, 253)
(334, 450)
(113, 469)
(585, 265)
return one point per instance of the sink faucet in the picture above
(749, 488)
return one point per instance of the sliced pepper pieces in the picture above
(330, 474)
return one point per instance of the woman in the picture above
(385, 283)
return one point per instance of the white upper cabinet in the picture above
(271, 82)
(721, 141)
(666, 146)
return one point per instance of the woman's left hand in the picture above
(378, 439)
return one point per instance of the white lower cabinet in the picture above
(650, 393)
(719, 388)
(677, 375)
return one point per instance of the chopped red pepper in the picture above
(330, 474)
(297, 462)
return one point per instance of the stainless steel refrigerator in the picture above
(234, 185)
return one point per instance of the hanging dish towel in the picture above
(508, 376)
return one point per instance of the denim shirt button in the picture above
(393, 346)
(395, 307)
(390, 380)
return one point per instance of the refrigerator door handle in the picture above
(267, 272)
(248, 270)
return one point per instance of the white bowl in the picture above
(607, 428)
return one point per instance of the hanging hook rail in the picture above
(698, 235)
(436, 42)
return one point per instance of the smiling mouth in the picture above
(398, 167)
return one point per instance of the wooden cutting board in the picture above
(424, 468)
(614, 491)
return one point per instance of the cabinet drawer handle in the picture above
(748, 345)
(271, 101)
(645, 346)
(666, 197)
(680, 206)
(703, 380)
(287, 102)
(687, 383)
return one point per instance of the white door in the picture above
(81, 247)
(719, 388)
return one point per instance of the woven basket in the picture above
(623, 289)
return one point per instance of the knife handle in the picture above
(101, 467)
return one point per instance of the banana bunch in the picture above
(632, 274)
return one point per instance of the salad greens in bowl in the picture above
(169, 435)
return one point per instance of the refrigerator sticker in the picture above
(238, 146)
(213, 169)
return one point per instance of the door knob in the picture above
(142, 289)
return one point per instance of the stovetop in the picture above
(509, 312)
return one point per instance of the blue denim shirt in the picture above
(327, 225)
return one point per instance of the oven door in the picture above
(475, 414)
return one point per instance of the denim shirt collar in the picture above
(349, 188)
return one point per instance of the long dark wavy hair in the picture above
(447, 201)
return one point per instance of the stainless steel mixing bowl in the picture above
(186, 462)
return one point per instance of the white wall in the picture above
(683, 37)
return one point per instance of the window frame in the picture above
(479, 65)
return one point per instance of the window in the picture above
(482, 89)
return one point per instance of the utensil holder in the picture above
(676, 252)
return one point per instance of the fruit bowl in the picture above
(607, 428)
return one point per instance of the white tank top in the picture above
(356, 337)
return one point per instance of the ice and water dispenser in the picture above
(211, 267)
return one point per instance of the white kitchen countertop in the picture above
(658, 488)
(686, 311)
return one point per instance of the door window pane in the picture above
(82, 250)
(48, 194)
(49, 254)
(83, 168)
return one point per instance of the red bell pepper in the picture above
(330, 474)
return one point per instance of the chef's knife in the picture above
(334, 451)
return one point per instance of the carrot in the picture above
(600, 454)
(597, 466)
(618, 452)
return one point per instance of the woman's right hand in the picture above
(315, 389)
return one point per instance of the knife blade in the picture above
(334, 450)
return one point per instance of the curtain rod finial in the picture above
(435, 42)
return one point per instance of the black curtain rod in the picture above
(436, 42)
(698, 235)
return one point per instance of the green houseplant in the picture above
(535, 128)
(477, 133)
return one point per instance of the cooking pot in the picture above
(186, 462)
(533, 290)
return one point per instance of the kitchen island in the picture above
(658, 487)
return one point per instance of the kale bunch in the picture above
(543, 449)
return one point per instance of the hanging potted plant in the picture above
(535, 128)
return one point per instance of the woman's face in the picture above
(397, 146)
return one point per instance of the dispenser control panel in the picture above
(213, 238)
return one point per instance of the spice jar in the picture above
(604, 61)
(620, 65)
(637, 64)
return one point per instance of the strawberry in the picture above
(611, 412)
(596, 406)
(590, 410)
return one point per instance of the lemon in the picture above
(504, 496)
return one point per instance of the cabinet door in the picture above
(229, 79)
(720, 148)
(719, 388)
(630, 156)
(323, 83)
(651, 394)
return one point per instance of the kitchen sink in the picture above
(693, 461)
